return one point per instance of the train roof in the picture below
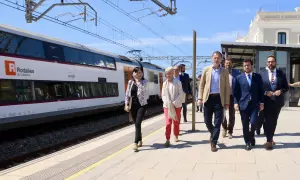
(41, 37)
(119, 58)
(152, 66)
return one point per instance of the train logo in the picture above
(10, 68)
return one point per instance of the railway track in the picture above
(22, 145)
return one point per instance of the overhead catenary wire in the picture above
(54, 20)
(141, 23)
(114, 28)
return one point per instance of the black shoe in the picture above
(253, 142)
(213, 148)
(248, 147)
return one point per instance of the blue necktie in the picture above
(249, 79)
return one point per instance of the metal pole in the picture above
(194, 82)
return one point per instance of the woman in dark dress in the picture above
(137, 90)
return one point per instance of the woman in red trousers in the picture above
(172, 96)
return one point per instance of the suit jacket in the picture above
(185, 81)
(204, 86)
(281, 84)
(234, 74)
(243, 92)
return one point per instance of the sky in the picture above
(214, 21)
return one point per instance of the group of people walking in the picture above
(248, 92)
(175, 93)
(221, 88)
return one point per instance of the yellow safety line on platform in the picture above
(107, 158)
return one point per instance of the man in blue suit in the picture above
(233, 73)
(186, 87)
(249, 99)
(275, 85)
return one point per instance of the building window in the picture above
(281, 39)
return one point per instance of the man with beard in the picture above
(233, 73)
(275, 85)
(186, 86)
(249, 100)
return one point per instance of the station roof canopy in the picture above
(234, 48)
(238, 51)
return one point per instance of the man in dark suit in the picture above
(249, 99)
(233, 73)
(275, 85)
(186, 87)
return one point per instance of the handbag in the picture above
(127, 108)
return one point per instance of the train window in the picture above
(23, 90)
(7, 91)
(15, 90)
(54, 52)
(112, 89)
(49, 90)
(95, 91)
(110, 63)
(99, 60)
(102, 89)
(70, 90)
(83, 90)
(150, 76)
(155, 79)
(31, 48)
(5, 38)
(71, 55)
(12, 91)
(86, 58)
(116, 89)
(14, 44)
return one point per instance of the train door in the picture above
(161, 81)
(127, 74)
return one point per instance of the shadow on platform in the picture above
(173, 145)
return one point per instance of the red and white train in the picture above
(45, 79)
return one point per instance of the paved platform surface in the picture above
(192, 159)
(111, 157)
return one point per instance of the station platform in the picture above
(111, 157)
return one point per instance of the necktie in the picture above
(249, 79)
(272, 80)
(272, 77)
